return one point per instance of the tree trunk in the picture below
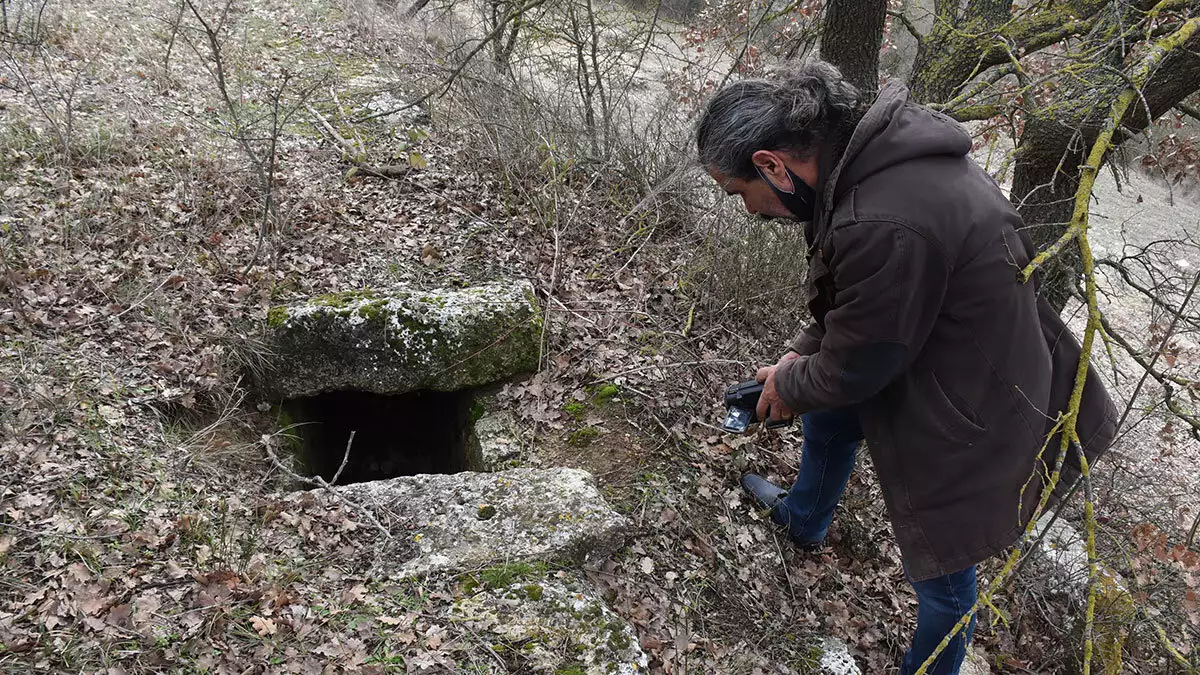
(1045, 198)
(964, 44)
(415, 8)
(851, 38)
(1047, 173)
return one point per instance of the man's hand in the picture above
(788, 356)
(771, 408)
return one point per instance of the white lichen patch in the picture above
(836, 659)
(469, 520)
(554, 625)
(498, 442)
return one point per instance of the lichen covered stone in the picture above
(499, 446)
(400, 340)
(553, 625)
(470, 520)
(835, 659)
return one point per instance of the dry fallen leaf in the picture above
(263, 626)
(174, 571)
(119, 615)
(430, 255)
(354, 594)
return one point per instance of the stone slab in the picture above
(393, 341)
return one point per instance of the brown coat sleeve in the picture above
(808, 341)
(890, 284)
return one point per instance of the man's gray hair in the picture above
(793, 109)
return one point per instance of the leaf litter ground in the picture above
(143, 528)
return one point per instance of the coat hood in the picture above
(892, 131)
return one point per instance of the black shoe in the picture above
(769, 496)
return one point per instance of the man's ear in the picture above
(771, 166)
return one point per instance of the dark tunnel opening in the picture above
(394, 435)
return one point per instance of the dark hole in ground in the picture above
(401, 435)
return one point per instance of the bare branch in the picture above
(449, 81)
(319, 482)
(1188, 110)
(1079, 220)
(907, 23)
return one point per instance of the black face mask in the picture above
(801, 201)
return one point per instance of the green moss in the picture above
(538, 320)
(371, 310)
(277, 316)
(606, 393)
(533, 592)
(478, 410)
(618, 639)
(350, 67)
(486, 512)
(575, 409)
(583, 435)
(290, 432)
(808, 659)
(570, 670)
(450, 347)
(504, 575)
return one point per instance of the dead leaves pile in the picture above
(132, 541)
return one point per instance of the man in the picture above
(923, 340)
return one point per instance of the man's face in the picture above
(758, 197)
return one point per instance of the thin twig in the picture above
(317, 481)
(345, 458)
(908, 24)
(449, 82)
(132, 307)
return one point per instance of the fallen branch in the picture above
(350, 152)
(320, 482)
(385, 171)
(355, 155)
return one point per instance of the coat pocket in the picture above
(952, 412)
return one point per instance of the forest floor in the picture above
(142, 527)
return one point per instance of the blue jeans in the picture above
(831, 439)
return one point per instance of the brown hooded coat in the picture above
(956, 368)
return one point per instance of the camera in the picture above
(741, 400)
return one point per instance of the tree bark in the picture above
(965, 44)
(851, 39)
(415, 8)
(1050, 153)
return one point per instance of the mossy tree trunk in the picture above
(986, 40)
(965, 43)
(1051, 150)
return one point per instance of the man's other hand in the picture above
(771, 408)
